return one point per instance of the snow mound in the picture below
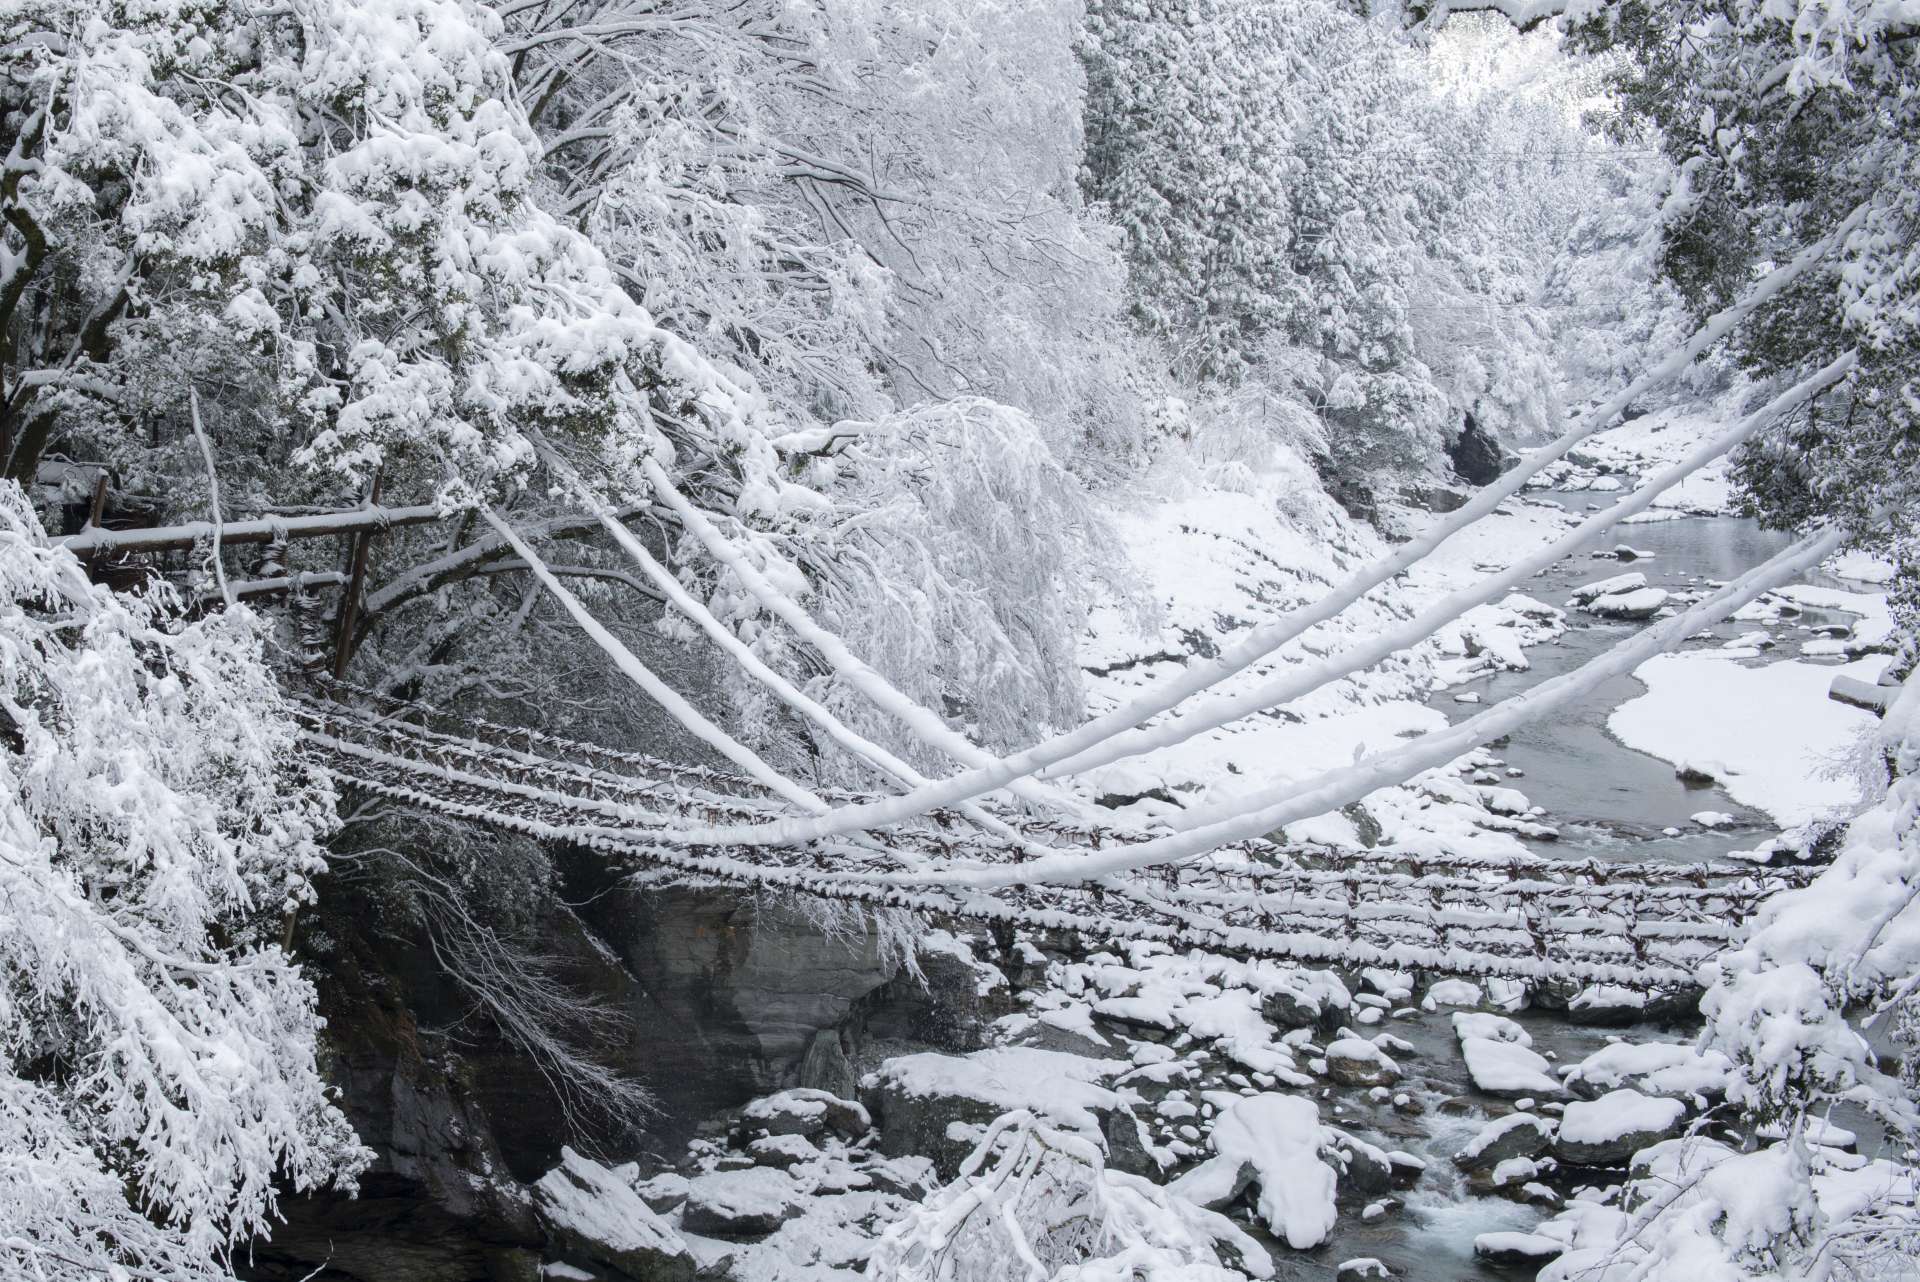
(1618, 585)
(1280, 1138)
(1773, 729)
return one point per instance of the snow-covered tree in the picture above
(1788, 125)
(1305, 205)
(157, 1047)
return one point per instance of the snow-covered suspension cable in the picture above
(1336, 788)
(1333, 789)
(1265, 638)
(925, 724)
(641, 675)
(1305, 678)
(859, 745)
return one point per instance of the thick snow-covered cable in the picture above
(1261, 640)
(1305, 678)
(1333, 789)
(925, 724)
(641, 675)
(859, 745)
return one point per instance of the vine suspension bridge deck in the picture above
(1639, 925)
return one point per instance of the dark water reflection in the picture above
(1606, 799)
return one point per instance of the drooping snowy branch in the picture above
(156, 825)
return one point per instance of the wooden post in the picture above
(96, 512)
(356, 586)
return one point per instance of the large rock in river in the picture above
(592, 1213)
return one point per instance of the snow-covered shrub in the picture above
(157, 1072)
(1039, 1204)
(1781, 1008)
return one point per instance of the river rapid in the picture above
(1606, 800)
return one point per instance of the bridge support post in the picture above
(356, 586)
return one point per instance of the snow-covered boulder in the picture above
(1452, 992)
(1363, 1269)
(1280, 1137)
(1516, 1135)
(1609, 1130)
(748, 1203)
(782, 1152)
(1365, 1170)
(929, 1104)
(664, 1192)
(1618, 584)
(1641, 603)
(1612, 1005)
(1521, 1250)
(1656, 1068)
(593, 1213)
(1500, 1059)
(805, 1112)
(1307, 1005)
(1354, 1061)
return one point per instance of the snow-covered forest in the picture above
(956, 640)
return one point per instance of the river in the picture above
(1606, 800)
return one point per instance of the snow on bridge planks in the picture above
(1522, 917)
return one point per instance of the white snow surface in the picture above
(1618, 1113)
(1785, 742)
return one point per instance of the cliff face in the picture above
(727, 997)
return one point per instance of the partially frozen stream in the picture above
(1607, 799)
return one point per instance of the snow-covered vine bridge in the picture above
(1641, 925)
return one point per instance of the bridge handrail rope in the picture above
(1619, 885)
(1302, 679)
(1257, 644)
(1270, 811)
(1584, 959)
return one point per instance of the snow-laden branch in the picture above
(641, 675)
(925, 724)
(1306, 678)
(166, 538)
(1260, 642)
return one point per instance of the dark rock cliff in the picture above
(727, 996)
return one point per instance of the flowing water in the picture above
(1606, 799)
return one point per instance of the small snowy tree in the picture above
(157, 1071)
